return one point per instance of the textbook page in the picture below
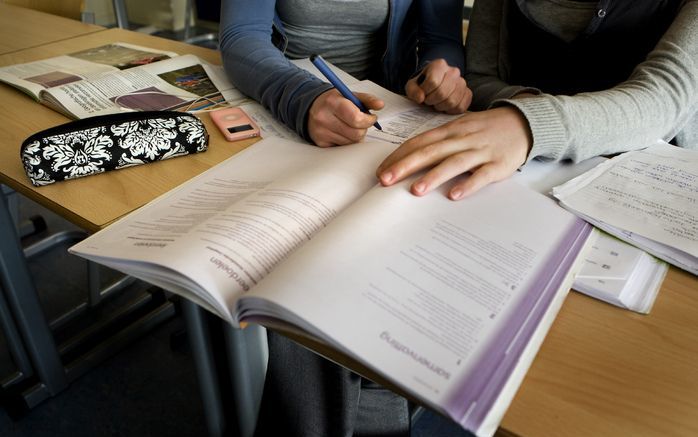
(400, 119)
(448, 300)
(441, 297)
(214, 237)
(646, 197)
(182, 83)
(33, 77)
(269, 126)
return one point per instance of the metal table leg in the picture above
(232, 382)
(23, 301)
(247, 357)
(206, 369)
(15, 344)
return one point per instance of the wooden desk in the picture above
(19, 28)
(94, 202)
(604, 371)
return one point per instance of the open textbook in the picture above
(647, 197)
(447, 301)
(121, 77)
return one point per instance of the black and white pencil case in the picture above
(110, 142)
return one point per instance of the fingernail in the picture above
(387, 177)
(456, 194)
(421, 78)
(419, 187)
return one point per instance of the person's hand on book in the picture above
(336, 121)
(489, 145)
(440, 86)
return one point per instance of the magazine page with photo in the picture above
(33, 77)
(121, 77)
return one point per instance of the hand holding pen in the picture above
(338, 116)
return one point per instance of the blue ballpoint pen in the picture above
(343, 90)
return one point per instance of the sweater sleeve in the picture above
(658, 101)
(485, 51)
(258, 69)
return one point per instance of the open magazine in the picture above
(447, 301)
(121, 77)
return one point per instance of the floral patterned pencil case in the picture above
(110, 142)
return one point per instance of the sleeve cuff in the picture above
(549, 133)
(305, 102)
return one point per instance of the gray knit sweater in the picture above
(658, 101)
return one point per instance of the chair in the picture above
(49, 354)
(191, 14)
(197, 10)
(73, 9)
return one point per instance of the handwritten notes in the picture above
(647, 197)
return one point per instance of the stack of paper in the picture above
(614, 271)
(648, 198)
(620, 274)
